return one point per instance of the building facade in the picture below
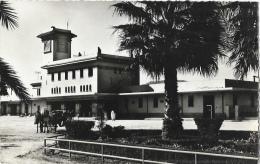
(84, 83)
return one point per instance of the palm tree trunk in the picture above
(172, 124)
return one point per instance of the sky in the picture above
(91, 21)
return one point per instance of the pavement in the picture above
(188, 124)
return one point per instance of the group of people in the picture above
(42, 117)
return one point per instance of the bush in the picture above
(80, 129)
(114, 132)
(208, 128)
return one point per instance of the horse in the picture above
(46, 119)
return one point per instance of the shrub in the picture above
(208, 128)
(114, 132)
(79, 129)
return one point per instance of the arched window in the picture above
(52, 90)
(74, 89)
(68, 89)
(59, 90)
(83, 88)
(65, 89)
(87, 88)
(71, 88)
(90, 88)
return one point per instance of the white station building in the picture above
(84, 83)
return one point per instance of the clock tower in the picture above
(56, 44)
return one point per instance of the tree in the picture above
(8, 77)
(169, 37)
(242, 23)
(7, 16)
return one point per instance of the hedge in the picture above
(80, 129)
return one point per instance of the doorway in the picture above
(208, 106)
(13, 109)
(85, 108)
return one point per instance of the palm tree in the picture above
(165, 38)
(7, 16)
(244, 47)
(8, 77)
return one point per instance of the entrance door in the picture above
(70, 106)
(13, 110)
(4, 110)
(85, 108)
(26, 109)
(208, 106)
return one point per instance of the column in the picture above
(236, 112)
(227, 112)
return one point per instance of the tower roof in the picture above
(51, 34)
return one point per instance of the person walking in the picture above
(113, 115)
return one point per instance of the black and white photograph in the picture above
(129, 82)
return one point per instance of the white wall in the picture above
(77, 82)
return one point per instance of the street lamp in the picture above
(210, 110)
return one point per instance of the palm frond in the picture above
(243, 18)
(9, 79)
(128, 9)
(8, 17)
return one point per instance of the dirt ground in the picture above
(19, 142)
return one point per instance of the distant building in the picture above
(84, 83)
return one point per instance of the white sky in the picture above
(90, 21)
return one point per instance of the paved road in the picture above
(251, 125)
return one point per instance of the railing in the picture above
(143, 160)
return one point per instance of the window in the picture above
(52, 77)
(155, 102)
(68, 89)
(115, 70)
(190, 101)
(74, 88)
(81, 88)
(59, 90)
(87, 88)
(38, 92)
(90, 88)
(73, 74)
(65, 89)
(71, 89)
(66, 75)
(140, 102)
(59, 76)
(90, 72)
(54, 90)
(81, 73)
